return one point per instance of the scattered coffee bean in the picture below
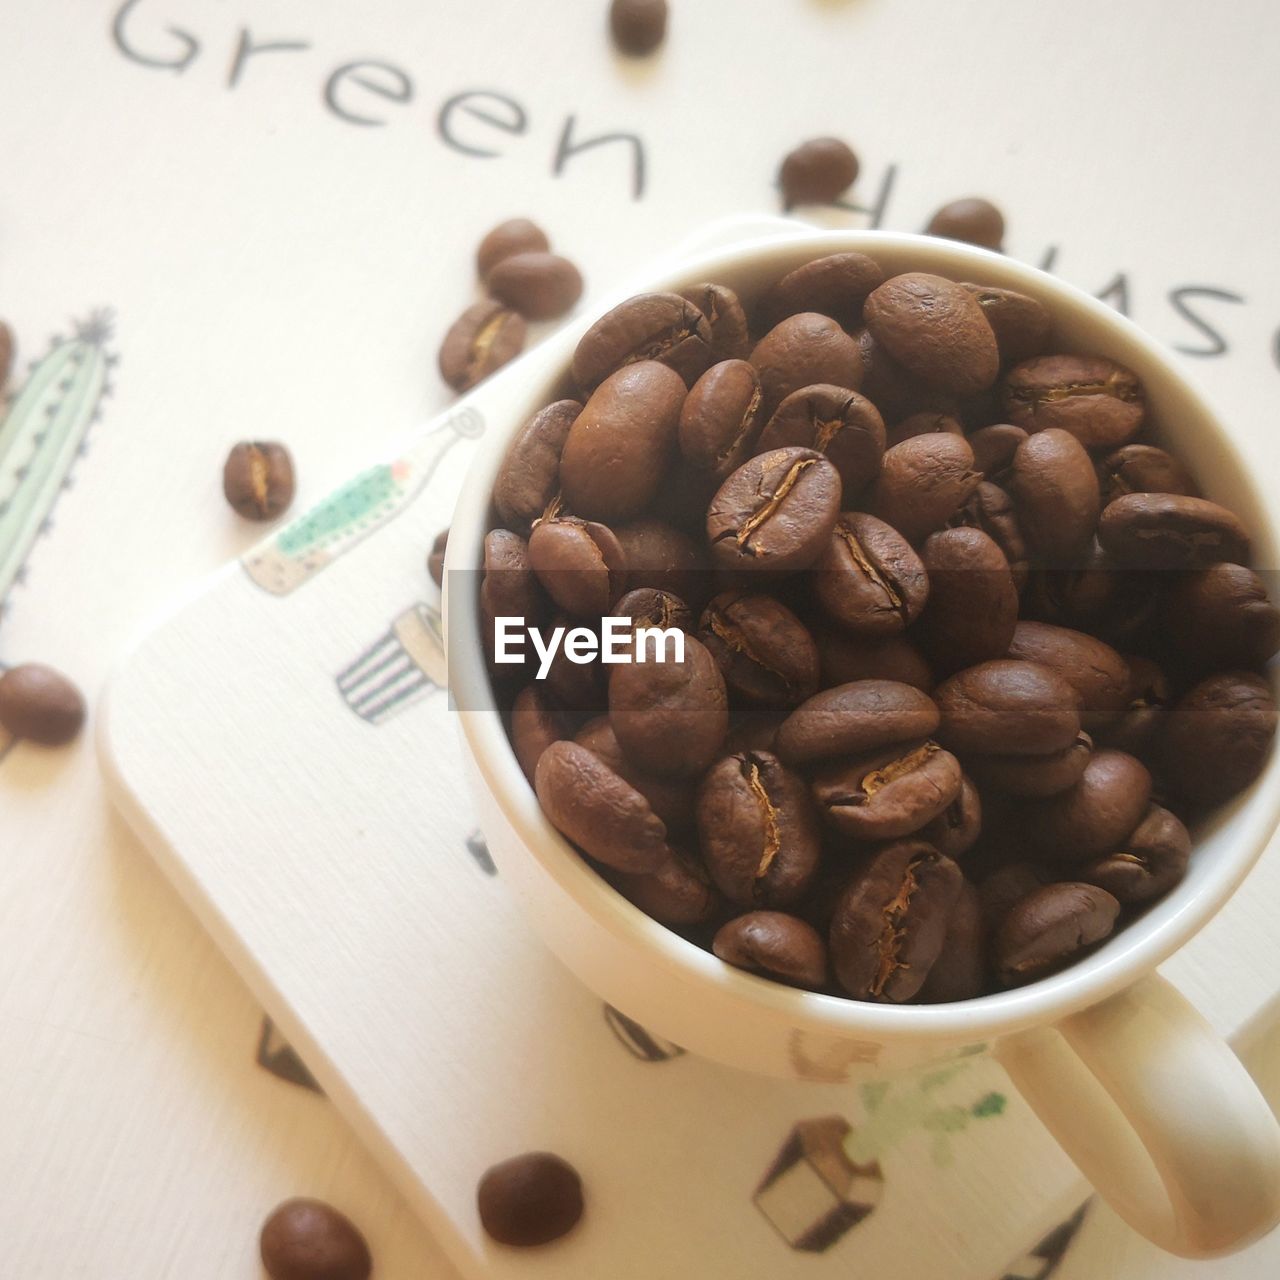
(310, 1240)
(1051, 927)
(435, 561)
(540, 286)
(483, 338)
(530, 1199)
(1099, 402)
(774, 945)
(971, 219)
(40, 704)
(257, 479)
(516, 235)
(817, 172)
(638, 26)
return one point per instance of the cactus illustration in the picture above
(44, 432)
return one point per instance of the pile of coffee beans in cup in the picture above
(966, 652)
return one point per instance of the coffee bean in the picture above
(927, 423)
(887, 794)
(834, 286)
(973, 602)
(960, 971)
(1007, 707)
(529, 478)
(971, 219)
(516, 235)
(480, 341)
(895, 392)
(536, 722)
(1171, 531)
(580, 564)
(540, 286)
(856, 719)
(1096, 815)
(651, 607)
(508, 589)
(530, 1199)
(765, 652)
(805, 350)
(1098, 674)
(580, 687)
(721, 418)
(774, 945)
(40, 704)
(817, 172)
(890, 923)
(1099, 402)
(257, 479)
(601, 813)
(672, 799)
(435, 560)
(1146, 703)
(994, 448)
(1221, 617)
(1004, 888)
(730, 332)
(1142, 468)
(679, 893)
(922, 483)
(1021, 324)
(618, 448)
(1148, 864)
(1051, 927)
(936, 330)
(1033, 776)
(869, 579)
(1217, 737)
(844, 658)
(1055, 491)
(651, 326)
(311, 1240)
(991, 509)
(638, 26)
(661, 556)
(956, 829)
(759, 830)
(841, 424)
(670, 717)
(776, 512)
(753, 731)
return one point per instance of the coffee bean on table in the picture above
(842, 424)
(721, 418)
(1171, 531)
(758, 830)
(817, 172)
(1096, 815)
(40, 704)
(856, 719)
(310, 1240)
(1007, 707)
(922, 483)
(973, 603)
(540, 286)
(774, 945)
(960, 972)
(1098, 674)
(1051, 927)
(435, 560)
(869, 579)
(971, 219)
(730, 332)
(889, 793)
(1142, 468)
(651, 326)
(1099, 402)
(678, 893)
(529, 478)
(530, 1199)
(580, 564)
(890, 923)
(1148, 864)
(516, 235)
(765, 652)
(1021, 324)
(638, 26)
(257, 479)
(483, 338)
(1221, 617)
(1055, 491)
(835, 286)
(805, 350)
(844, 658)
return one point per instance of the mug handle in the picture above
(1159, 1114)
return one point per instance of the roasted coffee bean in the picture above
(1217, 737)
(680, 893)
(844, 658)
(834, 286)
(991, 509)
(765, 652)
(1051, 927)
(311, 1240)
(805, 350)
(1099, 402)
(536, 722)
(929, 422)
(1146, 703)
(754, 731)
(759, 830)
(1221, 617)
(1004, 888)
(579, 687)
(895, 392)
(971, 219)
(936, 330)
(660, 555)
(672, 799)
(956, 829)
(1096, 815)
(774, 945)
(842, 424)
(617, 451)
(973, 602)
(481, 340)
(817, 172)
(651, 326)
(580, 564)
(730, 332)
(670, 717)
(1093, 669)
(1148, 864)
(1007, 707)
(922, 483)
(40, 704)
(722, 417)
(869, 579)
(435, 560)
(1028, 775)
(540, 286)
(891, 921)
(1170, 531)
(856, 719)
(257, 479)
(508, 589)
(888, 794)
(1142, 468)
(994, 448)
(776, 512)
(1021, 324)
(530, 1199)
(601, 813)
(960, 971)
(1055, 491)
(516, 235)
(529, 478)
(652, 607)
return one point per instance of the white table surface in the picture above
(278, 272)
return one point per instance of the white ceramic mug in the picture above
(1145, 1097)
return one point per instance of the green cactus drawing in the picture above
(357, 505)
(44, 432)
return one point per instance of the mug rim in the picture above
(1122, 960)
